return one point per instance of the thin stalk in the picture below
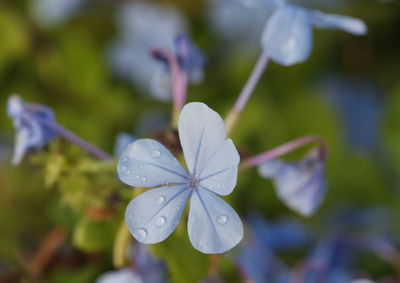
(75, 139)
(283, 149)
(246, 92)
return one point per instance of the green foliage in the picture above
(94, 236)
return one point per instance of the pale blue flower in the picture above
(287, 35)
(300, 185)
(144, 26)
(124, 275)
(212, 162)
(53, 12)
(28, 122)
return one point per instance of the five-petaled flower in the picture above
(212, 163)
(300, 185)
(287, 35)
(30, 131)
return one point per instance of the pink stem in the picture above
(251, 82)
(283, 149)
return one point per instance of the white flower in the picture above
(212, 162)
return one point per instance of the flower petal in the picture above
(202, 133)
(349, 24)
(153, 215)
(213, 226)
(220, 173)
(287, 36)
(147, 163)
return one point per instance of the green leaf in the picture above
(93, 236)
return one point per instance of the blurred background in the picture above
(60, 209)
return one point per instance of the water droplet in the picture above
(160, 221)
(155, 154)
(130, 216)
(140, 234)
(123, 168)
(178, 207)
(160, 200)
(137, 177)
(126, 159)
(144, 178)
(222, 219)
(128, 172)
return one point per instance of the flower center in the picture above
(193, 182)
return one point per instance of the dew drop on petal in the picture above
(178, 207)
(130, 216)
(155, 153)
(222, 219)
(140, 234)
(137, 177)
(126, 159)
(160, 221)
(123, 168)
(160, 200)
(128, 172)
(144, 178)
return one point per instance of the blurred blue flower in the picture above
(287, 35)
(53, 12)
(257, 260)
(300, 185)
(212, 162)
(28, 122)
(125, 275)
(284, 234)
(360, 107)
(190, 61)
(143, 26)
(143, 269)
(121, 143)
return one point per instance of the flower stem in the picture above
(178, 80)
(283, 149)
(246, 92)
(76, 139)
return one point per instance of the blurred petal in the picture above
(161, 85)
(120, 276)
(21, 146)
(220, 173)
(287, 36)
(147, 163)
(153, 215)
(332, 21)
(30, 131)
(202, 133)
(213, 226)
(121, 143)
(300, 185)
(190, 58)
